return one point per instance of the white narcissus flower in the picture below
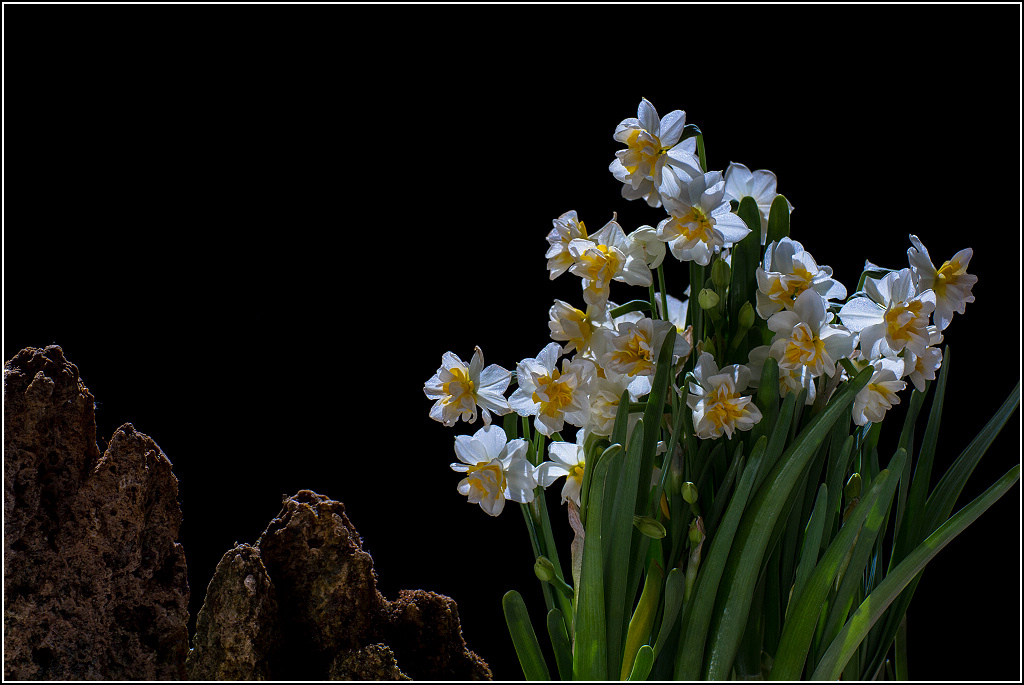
(553, 397)
(879, 395)
(652, 143)
(567, 228)
(787, 271)
(950, 282)
(740, 182)
(717, 401)
(805, 337)
(496, 469)
(892, 317)
(575, 327)
(700, 221)
(605, 396)
(459, 388)
(922, 367)
(654, 249)
(607, 256)
(569, 460)
(790, 380)
(632, 351)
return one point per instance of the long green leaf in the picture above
(697, 613)
(643, 663)
(746, 255)
(758, 522)
(560, 644)
(778, 219)
(799, 630)
(675, 587)
(590, 656)
(523, 637)
(812, 542)
(642, 622)
(839, 652)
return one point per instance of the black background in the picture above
(257, 229)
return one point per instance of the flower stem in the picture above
(664, 294)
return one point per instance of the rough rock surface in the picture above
(94, 583)
(331, 622)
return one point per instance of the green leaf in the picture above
(642, 622)
(590, 657)
(803, 616)
(812, 542)
(675, 586)
(846, 643)
(697, 613)
(778, 219)
(746, 256)
(631, 306)
(643, 663)
(523, 637)
(745, 561)
(560, 644)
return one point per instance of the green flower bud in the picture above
(544, 569)
(720, 274)
(649, 527)
(689, 492)
(746, 316)
(853, 487)
(708, 299)
(696, 533)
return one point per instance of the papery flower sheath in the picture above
(553, 397)
(496, 469)
(741, 182)
(700, 220)
(460, 388)
(950, 282)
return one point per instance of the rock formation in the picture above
(302, 604)
(94, 582)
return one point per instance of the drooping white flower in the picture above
(700, 220)
(651, 144)
(806, 337)
(552, 396)
(717, 401)
(605, 396)
(891, 317)
(950, 282)
(741, 182)
(879, 395)
(567, 228)
(677, 317)
(569, 460)
(459, 388)
(921, 367)
(496, 469)
(654, 249)
(787, 271)
(607, 256)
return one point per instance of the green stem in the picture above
(701, 155)
(664, 294)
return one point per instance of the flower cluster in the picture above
(603, 353)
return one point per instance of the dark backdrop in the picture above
(257, 229)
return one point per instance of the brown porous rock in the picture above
(331, 622)
(95, 585)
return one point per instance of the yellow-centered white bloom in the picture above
(567, 228)
(787, 271)
(605, 396)
(460, 388)
(496, 469)
(651, 144)
(553, 397)
(653, 248)
(805, 337)
(632, 351)
(793, 380)
(607, 256)
(950, 282)
(921, 367)
(891, 317)
(575, 327)
(741, 182)
(569, 460)
(677, 317)
(717, 401)
(879, 395)
(700, 219)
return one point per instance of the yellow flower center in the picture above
(637, 145)
(476, 475)
(459, 386)
(577, 473)
(637, 355)
(553, 393)
(901, 318)
(724, 407)
(696, 225)
(804, 348)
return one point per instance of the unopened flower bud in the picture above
(708, 299)
(649, 527)
(853, 487)
(689, 492)
(544, 569)
(720, 274)
(746, 316)
(696, 533)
